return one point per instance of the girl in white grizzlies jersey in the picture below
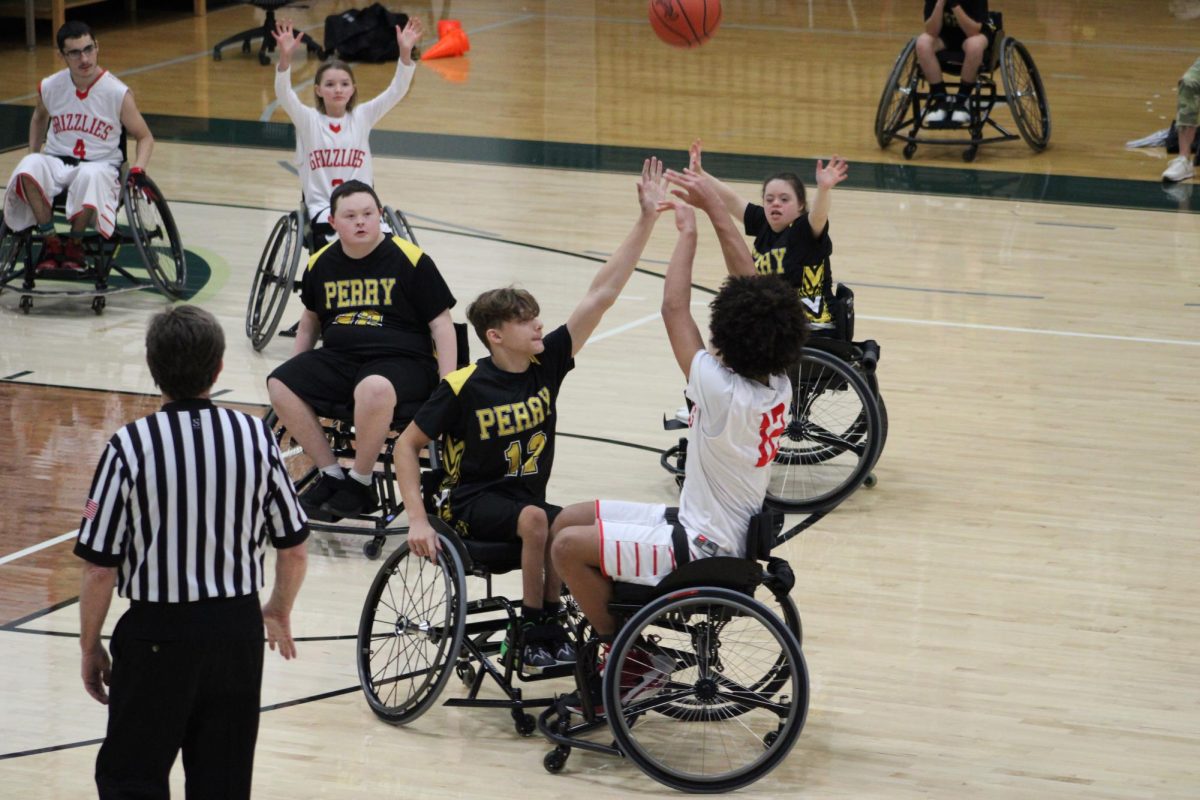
(332, 144)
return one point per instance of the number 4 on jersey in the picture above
(80, 150)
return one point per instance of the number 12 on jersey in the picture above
(769, 431)
(529, 466)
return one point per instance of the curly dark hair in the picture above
(758, 325)
(794, 180)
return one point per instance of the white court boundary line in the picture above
(1039, 331)
(40, 546)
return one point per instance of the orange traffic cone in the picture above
(445, 25)
(454, 43)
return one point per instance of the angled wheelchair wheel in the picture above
(714, 646)
(156, 237)
(833, 436)
(399, 224)
(273, 279)
(897, 94)
(411, 632)
(1025, 93)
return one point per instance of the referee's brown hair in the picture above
(184, 348)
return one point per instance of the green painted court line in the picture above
(902, 178)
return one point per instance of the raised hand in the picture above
(409, 35)
(831, 174)
(685, 218)
(287, 39)
(695, 188)
(651, 189)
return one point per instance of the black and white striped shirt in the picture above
(184, 501)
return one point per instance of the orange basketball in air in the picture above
(685, 23)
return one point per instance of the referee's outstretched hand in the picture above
(97, 673)
(279, 630)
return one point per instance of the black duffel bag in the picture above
(364, 34)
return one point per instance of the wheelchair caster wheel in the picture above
(373, 548)
(870, 480)
(555, 760)
(98, 304)
(525, 724)
(770, 738)
(969, 154)
(909, 150)
(466, 673)
(26, 303)
(245, 45)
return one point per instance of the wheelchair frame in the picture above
(441, 623)
(150, 225)
(418, 627)
(275, 276)
(906, 93)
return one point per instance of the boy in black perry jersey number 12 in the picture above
(497, 419)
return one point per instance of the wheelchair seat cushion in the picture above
(739, 574)
(495, 557)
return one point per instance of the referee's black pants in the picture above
(187, 677)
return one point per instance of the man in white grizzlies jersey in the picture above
(740, 398)
(332, 140)
(79, 117)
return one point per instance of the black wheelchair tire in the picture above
(819, 445)
(10, 250)
(894, 100)
(445, 633)
(273, 279)
(399, 224)
(1015, 65)
(776, 744)
(144, 237)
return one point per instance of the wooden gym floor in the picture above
(1010, 613)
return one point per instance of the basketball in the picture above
(685, 23)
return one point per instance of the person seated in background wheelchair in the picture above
(740, 398)
(952, 25)
(333, 139)
(382, 310)
(497, 418)
(81, 115)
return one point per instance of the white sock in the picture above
(334, 471)
(365, 480)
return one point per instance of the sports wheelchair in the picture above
(380, 521)
(149, 227)
(736, 662)
(906, 94)
(836, 424)
(275, 277)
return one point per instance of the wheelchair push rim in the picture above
(722, 643)
(273, 279)
(832, 440)
(411, 632)
(897, 95)
(156, 236)
(1025, 94)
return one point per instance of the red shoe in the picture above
(644, 675)
(52, 255)
(74, 258)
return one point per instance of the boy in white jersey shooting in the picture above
(79, 117)
(741, 396)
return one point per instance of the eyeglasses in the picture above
(75, 55)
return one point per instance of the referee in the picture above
(180, 511)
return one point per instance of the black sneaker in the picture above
(319, 492)
(351, 499)
(561, 647)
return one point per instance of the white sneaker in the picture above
(684, 415)
(935, 111)
(1180, 169)
(960, 115)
